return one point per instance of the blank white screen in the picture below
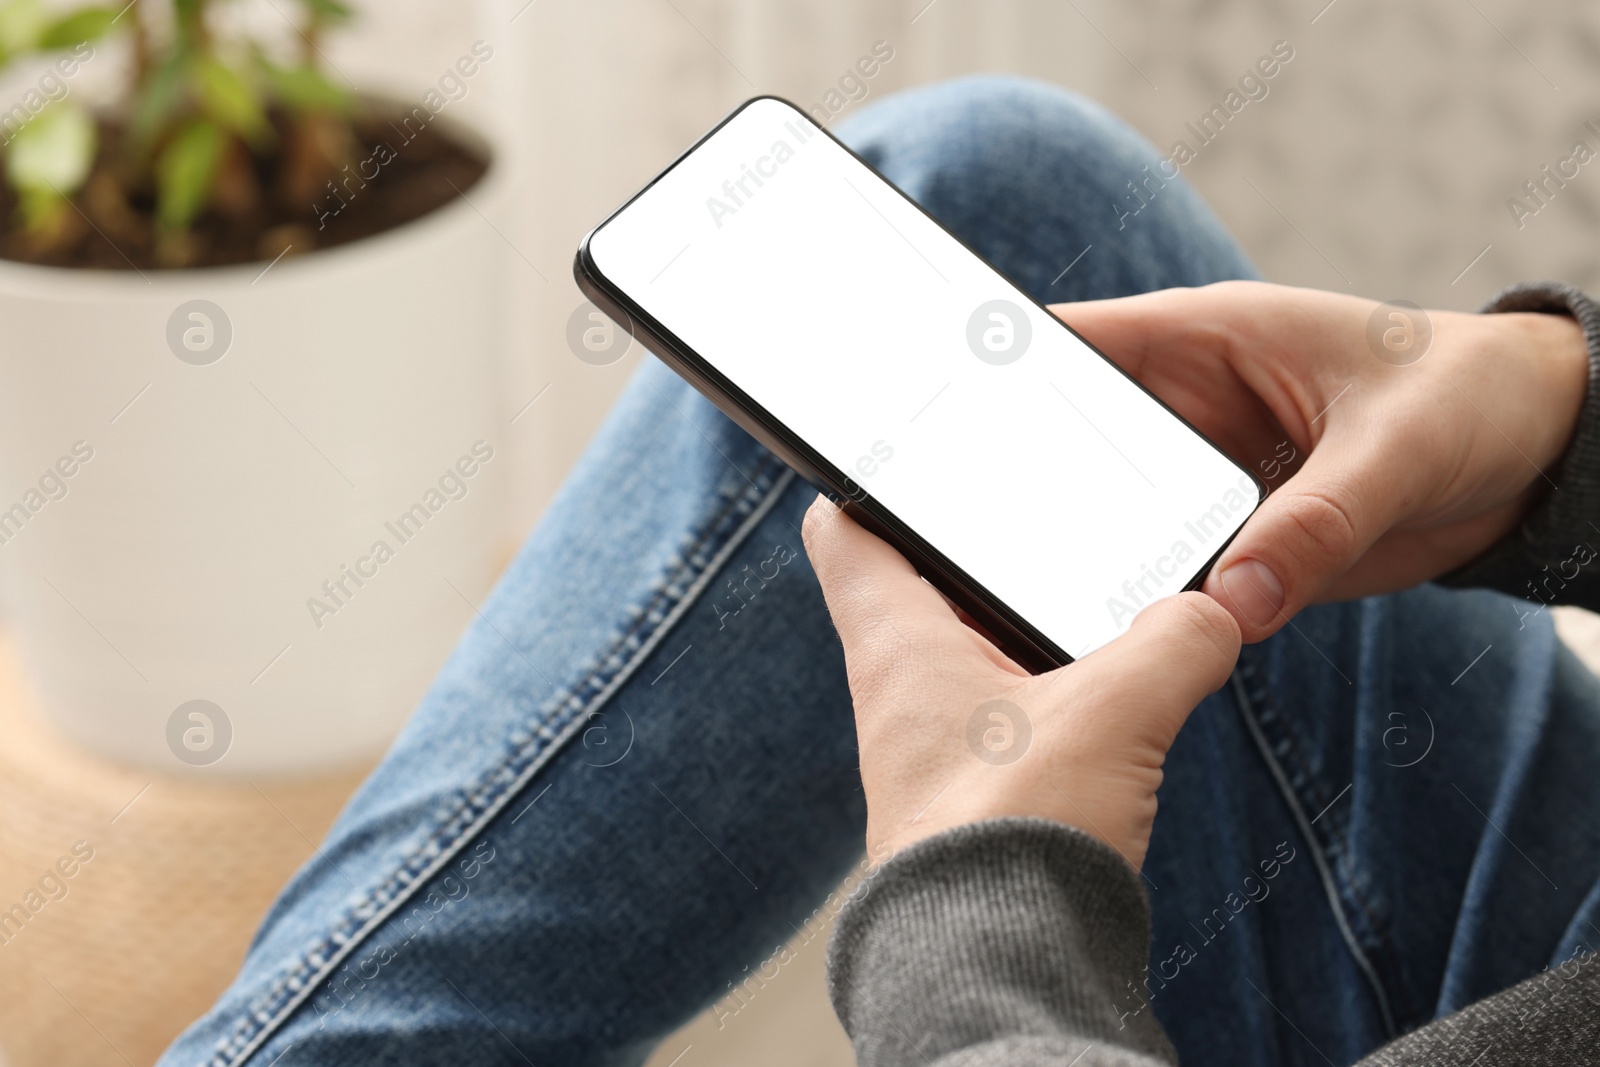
(813, 285)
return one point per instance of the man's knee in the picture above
(993, 129)
(1026, 173)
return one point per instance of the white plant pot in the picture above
(179, 563)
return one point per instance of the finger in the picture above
(864, 581)
(1179, 650)
(1180, 345)
(1291, 347)
(1311, 530)
(1129, 328)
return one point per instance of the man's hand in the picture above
(951, 731)
(1383, 475)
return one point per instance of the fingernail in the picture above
(1255, 591)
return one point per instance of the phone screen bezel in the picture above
(1015, 635)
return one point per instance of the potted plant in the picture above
(248, 437)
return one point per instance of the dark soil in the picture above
(398, 172)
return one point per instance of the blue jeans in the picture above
(636, 777)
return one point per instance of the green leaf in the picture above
(21, 23)
(306, 89)
(330, 10)
(87, 24)
(186, 172)
(54, 152)
(42, 210)
(188, 23)
(159, 99)
(227, 97)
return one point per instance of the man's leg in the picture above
(1388, 814)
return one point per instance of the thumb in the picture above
(1179, 650)
(1308, 532)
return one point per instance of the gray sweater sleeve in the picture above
(1554, 556)
(1013, 941)
(1016, 942)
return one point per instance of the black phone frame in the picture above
(1016, 637)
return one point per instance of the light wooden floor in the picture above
(143, 936)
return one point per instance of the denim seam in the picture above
(1251, 699)
(1378, 946)
(532, 750)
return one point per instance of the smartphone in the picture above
(1022, 473)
